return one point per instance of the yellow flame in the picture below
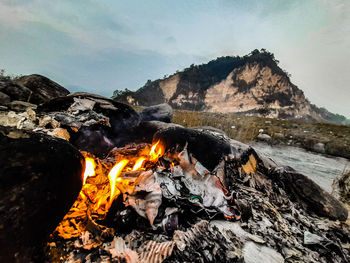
(113, 174)
(154, 153)
(89, 168)
(138, 163)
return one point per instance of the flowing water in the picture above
(323, 169)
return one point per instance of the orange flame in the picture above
(113, 174)
(101, 190)
(138, 164)
(89, 168)
(154, 153)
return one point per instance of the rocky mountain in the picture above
(251, 85)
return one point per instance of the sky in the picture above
(103, 45)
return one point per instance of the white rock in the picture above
(253, 253)
(320, 147)
(264, 137)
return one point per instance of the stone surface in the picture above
(4, 98)
(96, 124)
(162, 112)
(341, 188)
(17, 105)
(319, 147)
(205, 147)
(43, 88)
(253, 253)
(15, 91)
(264, 137)
(40, 178)
(311, 196)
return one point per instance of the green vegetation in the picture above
(4, 76)
(332, 117)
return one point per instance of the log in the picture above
(40, 178)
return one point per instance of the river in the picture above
(323, 169)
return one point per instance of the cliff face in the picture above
(250, 85)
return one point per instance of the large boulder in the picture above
(205, 147)
(96, 124)
(43, 89)
(40, 178)
(14, 91)
(4, 98)
(162, 112)
(310, 195)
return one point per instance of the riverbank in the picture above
(323, 138)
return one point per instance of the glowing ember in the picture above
(89, 168)
(103, 187)
(155, 153)
(113, 174)
(138, 163)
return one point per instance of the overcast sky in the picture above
(100, 46)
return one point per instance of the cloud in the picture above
(104, 45)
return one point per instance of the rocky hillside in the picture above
(252, 85)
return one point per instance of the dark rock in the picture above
(42, 87)
(85, 112)
(15, 91)
(311, 196)
(18, 105)
(162, 112)
(145, 131)
(40, 178)
(341, 188)
(206, 148)
(210, 129)
(121, 116)
(4, 98)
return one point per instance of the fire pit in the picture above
(158, 192)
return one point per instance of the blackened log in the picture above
(40, 178)
(206, 148)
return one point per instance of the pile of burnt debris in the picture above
(157, 192)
